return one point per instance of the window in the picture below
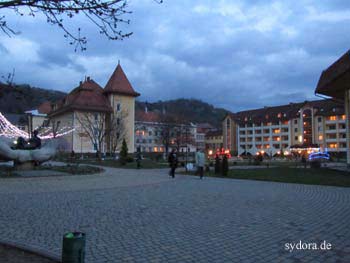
(296, 138)
(119, 106)
(150, 133)
(150, 141)
(319, 119)
(118, 121)
(295, 121)
(320, 137)
(332, 118)
(295, 129)
(343, 117)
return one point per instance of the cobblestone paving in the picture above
(149, 217)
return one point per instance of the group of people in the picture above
(33, 143)
(173, 162)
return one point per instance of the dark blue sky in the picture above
(233, 54)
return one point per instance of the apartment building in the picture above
(154, 133)
(280, 129)
(213, 140)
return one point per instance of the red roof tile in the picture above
(87, 97)
(147, 116)
(119, 84)
(45, 108)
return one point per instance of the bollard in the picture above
(73, 247)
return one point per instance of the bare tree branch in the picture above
(104, 14)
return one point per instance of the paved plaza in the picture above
(145, 216)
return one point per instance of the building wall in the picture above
(148, 137)
(214, 142)
(65, 120)
(329, 132)
(127, 108)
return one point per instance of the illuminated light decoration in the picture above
(257, 153)
(286, 153)
(10, 131)
(319, 155)
(210, 152)
(279, 152)
(262, 152)
(7, 129)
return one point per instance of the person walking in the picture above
(172, 160)
(200, 162)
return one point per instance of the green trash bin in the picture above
(73, 247)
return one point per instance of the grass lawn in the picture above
(8, 172)
(73, 169)
(145, 163)
(322, 176)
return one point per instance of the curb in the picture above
(33, 250)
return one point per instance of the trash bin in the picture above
(73, 247)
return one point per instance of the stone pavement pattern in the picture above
(149, 217)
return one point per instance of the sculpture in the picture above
(27, 153)
(10, 152)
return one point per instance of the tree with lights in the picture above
(106, 15)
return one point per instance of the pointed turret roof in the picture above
(119, 84)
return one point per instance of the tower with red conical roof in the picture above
(121, 96)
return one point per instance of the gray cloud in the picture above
(237, 55)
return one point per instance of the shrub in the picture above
(123, 153)
(224, 166)
(217, 165)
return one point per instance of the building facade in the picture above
(101, 117)
(276, 130)
(335, 82)
(153, 133)
(214, 141)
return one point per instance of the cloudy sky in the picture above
(233, 54)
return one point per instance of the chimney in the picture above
(80, 83)
(88, 78)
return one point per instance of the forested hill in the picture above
(19, 98)
(192, 110)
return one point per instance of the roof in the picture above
(158, 117)
(87, 97)
(149, 116)
(45, 108)
(119, 84)
(286, 112)
(336, 78)
(213, 133)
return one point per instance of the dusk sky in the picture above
(233, 54)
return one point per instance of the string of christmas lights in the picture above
(7, 129)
